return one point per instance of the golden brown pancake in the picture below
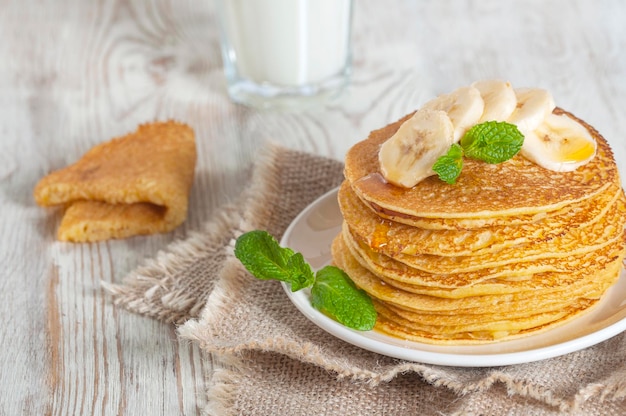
(590, 284)
(479, 283)
(391, 324)
(576, 241)
(394, 237)
(483, 318)
(515, 187)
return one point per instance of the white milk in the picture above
(287, 43)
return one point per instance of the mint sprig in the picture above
(332, 291)
(261, 254)
(491, 142)
(449, 166)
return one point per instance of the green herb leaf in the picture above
(301, 273)
(448, 167)
(492, 141)
(334, 294)
(261, 254)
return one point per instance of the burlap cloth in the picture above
(269, 359)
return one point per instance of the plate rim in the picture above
(412, 352)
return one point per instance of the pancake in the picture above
(589, 285)
(476, 319)
(402, 277)
(575, 242)
(498, 326)
(469, 223)
(381, 264)
(393, 237)
(390, 324)
(513, 188)
(445, 321)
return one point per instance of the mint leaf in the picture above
(301, 273)
(334, 294)
(262, 256)
(492, 141)
(448, 167)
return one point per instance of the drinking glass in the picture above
(285, 53)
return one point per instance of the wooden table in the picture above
(74, 73)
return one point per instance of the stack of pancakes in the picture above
(509, 250)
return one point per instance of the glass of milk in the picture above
(285, 53)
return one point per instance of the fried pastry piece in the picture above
(131, 185)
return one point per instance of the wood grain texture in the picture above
(74, 73)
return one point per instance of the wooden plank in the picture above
(75, 73)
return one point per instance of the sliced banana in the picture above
(533, 106)
(560, 144)
(499, 97)
(464, 106)
(409, 155)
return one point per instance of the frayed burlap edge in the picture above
(151, 290)
(223, 388)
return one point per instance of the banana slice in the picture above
(560, 144)
(464, 107)
(408, 156)
(499, 97)
(533, 106)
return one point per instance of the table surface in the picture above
(75, 73)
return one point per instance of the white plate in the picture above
(312, 232)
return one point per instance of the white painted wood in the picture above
(74, 73)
